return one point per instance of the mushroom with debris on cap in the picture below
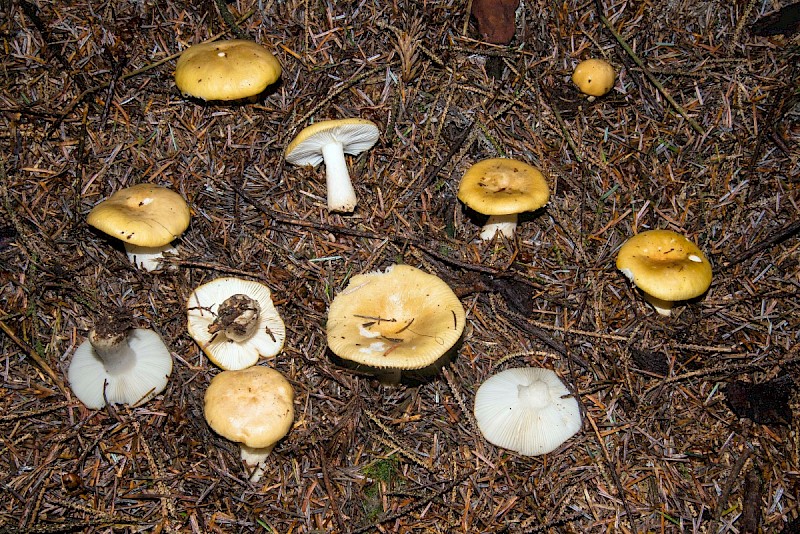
(253, 407)
(235, 322)
(329, 141)
(527, 410)
(502, 188)
(594, 77)
(226, 70)
(666, 267)
(119, 364)
(395, 322)
(147, 218)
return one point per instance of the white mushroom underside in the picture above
(130, 384)
(331, 143)
(524, 410)
(202, 308)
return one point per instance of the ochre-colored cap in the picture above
(226, 70)
(501, 186)
(355, 135)
(146, 215)
(401, 318)
(253, 406)
(665, 264)
(594, 77)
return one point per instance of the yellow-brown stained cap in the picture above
(502, 186)
(253, 406)
(665, 264)
(226, 70)
(401, 318)
(594, 77)
(146, 215)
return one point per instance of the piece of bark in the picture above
(751, 503)
(496, 19)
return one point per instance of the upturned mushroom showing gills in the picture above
(666, 267)
(502, 188)
(235, 322)
(329, 141)
(147, 218)
(395, 321)
(527, 410)
(118, 364)
(253, 407)
(226, 70)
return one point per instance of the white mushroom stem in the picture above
(341, 195)
(114, 351)
(505, 224)
(256, 457)
(663, 307)
(148, 258)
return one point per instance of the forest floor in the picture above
(88, 106)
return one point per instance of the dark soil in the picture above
(88, 106)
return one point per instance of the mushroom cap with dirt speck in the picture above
(503, 186)
(665, 265)
(145, 215)
(400, 318)
(235, 322)
(252, 406)
(527, 410)
(594, 77)
(226, 70)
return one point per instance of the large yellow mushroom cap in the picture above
(226, 70)
(145, 215)
(665, 265)
(502, 186)
(594, 77)
(401, 318)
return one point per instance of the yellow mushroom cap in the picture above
(226, 70)
(253, 406)
(146, 215)
(665, 264)
(401, 318)
(594, 77)
(501, 186)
